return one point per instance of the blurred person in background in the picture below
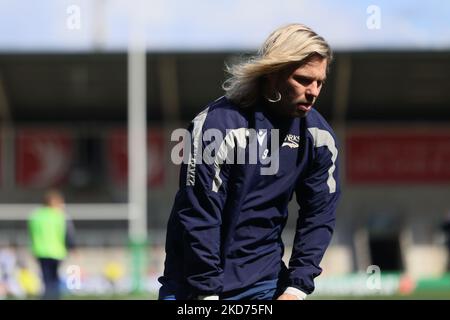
(9, 284)
(446, 229)
(52, 235)
(113, 273)
(224, 233)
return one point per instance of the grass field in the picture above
(424, 295)
(344, 288)
(433, 295)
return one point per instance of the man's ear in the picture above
(271, 82)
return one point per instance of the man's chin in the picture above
(299, 114)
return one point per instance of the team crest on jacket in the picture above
(291, 141)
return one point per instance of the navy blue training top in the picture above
(224, 231)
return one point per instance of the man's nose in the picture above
(313, 89)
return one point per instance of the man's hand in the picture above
(287, 296)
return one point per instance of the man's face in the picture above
(57, 202)
(300, 86)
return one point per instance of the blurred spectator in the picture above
(52, 235)
(9, 286)
(446, 228)
(113, 272)
(28, 280)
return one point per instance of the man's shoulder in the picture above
(222, 114)
(37, 211)
(316, 120)
(35, 215)
(320, 132)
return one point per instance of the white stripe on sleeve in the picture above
(324, 138)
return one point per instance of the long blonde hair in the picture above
(293, 43)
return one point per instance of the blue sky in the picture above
(219, 24)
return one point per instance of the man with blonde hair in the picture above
(224, 232)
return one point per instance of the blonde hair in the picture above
(293, 43)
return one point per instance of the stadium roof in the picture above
(405, 86)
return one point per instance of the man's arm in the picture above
(317, 193)
(70, 234)
(199, 212)
(198, 207)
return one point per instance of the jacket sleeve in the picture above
(317, 194)
(198, 207)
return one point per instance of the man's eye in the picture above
(303, 80)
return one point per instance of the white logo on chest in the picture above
(291, 141)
